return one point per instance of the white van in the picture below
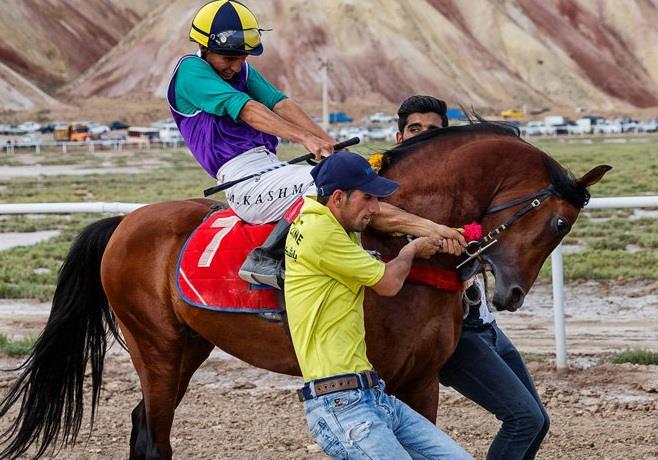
(169, 134)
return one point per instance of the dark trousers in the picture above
(488, 369)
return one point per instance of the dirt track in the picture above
(233, 410)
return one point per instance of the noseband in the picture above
(475, 248)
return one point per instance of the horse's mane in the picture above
(563, 181)
(565, 184)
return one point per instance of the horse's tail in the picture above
(50, 388)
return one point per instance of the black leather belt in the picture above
(321, 387)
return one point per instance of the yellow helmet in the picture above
(227, 27)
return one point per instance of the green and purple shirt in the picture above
(206, 109)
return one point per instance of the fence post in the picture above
(557, 269)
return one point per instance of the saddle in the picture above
(208, 265)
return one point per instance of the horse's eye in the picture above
(561, 225)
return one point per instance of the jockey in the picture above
(230, 117)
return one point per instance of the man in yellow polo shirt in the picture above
(326, 274)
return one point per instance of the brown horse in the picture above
(453, 176)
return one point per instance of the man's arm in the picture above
(263, 119)
(393, 219)
(396, 270)
(290, 111)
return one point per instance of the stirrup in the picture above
(260, 278)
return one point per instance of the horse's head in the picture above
(532, 222)
(485, 172)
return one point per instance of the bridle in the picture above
(477, 247)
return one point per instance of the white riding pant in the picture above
(266, 198)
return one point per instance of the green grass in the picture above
(635, 164)
(533, 357)
(636, 356)
(17, 347)
(169, 174)
(31, 271)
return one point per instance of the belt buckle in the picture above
(369, 379)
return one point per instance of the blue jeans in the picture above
(369, 424)
(488, 369)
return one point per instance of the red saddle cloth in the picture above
(208, 265)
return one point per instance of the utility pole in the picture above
(324, 65)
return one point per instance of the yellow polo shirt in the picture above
(326, 274)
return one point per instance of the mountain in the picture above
(50, 42)
(600, 54)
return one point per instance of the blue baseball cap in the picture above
(348, 171)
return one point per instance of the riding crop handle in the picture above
(308, 156)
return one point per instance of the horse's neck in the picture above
(453, 186)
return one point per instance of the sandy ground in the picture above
(233, 410)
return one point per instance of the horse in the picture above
(119, 275)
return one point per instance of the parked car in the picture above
(380, 117)
(97, 129)
(170, 134)
(383, 134)
(649, 126)
(628, 125)
(533, 128)
(118, 125)
(554, 120)
(353, 131)
(162, 123)
(561, 129)
(609, 127)
(29, 127)
(595, 119)
(50, 127)
(584, 126)
(578, 129)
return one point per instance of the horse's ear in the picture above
(593, 176)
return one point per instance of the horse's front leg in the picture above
(422, 396)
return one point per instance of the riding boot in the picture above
(264, 265)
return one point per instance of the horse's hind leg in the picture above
(197, 350)
(165, 368)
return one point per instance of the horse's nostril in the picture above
(517, 294)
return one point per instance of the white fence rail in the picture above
(67, 208)
(557, 264)
(90, 146)
(557, 268)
